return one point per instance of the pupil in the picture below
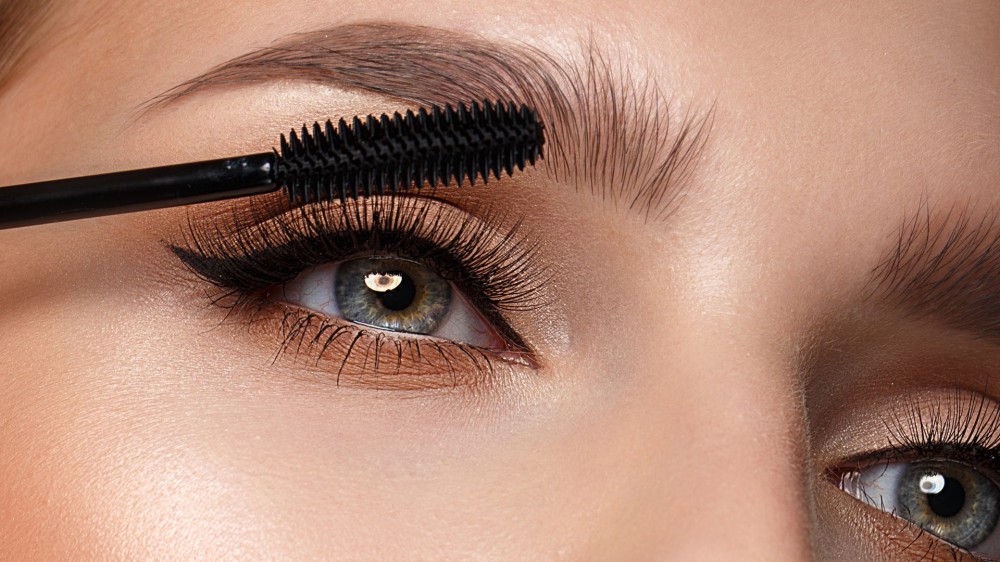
(401, 297)
(949, 501)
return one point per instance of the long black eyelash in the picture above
(959, 427)
(962, 427)
(250, 251)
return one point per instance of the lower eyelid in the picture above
(937, 424)
(237, 257)
(346, 354)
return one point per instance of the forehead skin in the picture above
(121, 437)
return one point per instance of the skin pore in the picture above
(699, 372)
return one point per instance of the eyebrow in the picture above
(608, 130)
(945, 266)
(19, 20)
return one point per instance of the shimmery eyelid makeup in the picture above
(426, 229)
(961, 428)
(247, 255)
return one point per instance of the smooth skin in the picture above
(671, 418)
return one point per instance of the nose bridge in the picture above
(732, 482)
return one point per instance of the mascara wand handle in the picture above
(136, 190)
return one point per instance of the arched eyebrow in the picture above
(608, 127)
(945, 266)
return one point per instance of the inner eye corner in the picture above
(473, 254)
(954, 502)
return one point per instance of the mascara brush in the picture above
(364, 158)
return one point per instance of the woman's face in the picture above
(745, 308)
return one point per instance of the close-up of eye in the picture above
(955, 502)
(500, 280)
(390, 285)
(392, 294)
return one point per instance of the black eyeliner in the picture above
(244, 255)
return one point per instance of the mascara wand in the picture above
(364, 158)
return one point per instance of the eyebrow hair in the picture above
(19, 19)
(945, 266)
(608, 128)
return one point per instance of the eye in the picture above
(393, 294)
(948, 499)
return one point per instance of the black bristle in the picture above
(402, 152)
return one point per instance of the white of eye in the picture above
(314, 289)
(876, 485)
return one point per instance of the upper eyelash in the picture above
(957, 422)
(962, 427)
(249, 252)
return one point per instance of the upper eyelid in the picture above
(244, 242)
(956, 424)
(416, 218)
(494, 262)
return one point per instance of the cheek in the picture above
(102, 447)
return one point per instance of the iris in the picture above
(949, 499)
(392, 294)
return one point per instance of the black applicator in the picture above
(374, 156)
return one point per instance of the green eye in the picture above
(392, 294)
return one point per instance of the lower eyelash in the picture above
(963, 427)
(413, 363)
(373, 358)
(248, 253)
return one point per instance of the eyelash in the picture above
(963, 428)
(967, 431)
(247, 253)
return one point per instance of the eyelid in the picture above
(504, 248)
(950, 424)
(245, 258)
